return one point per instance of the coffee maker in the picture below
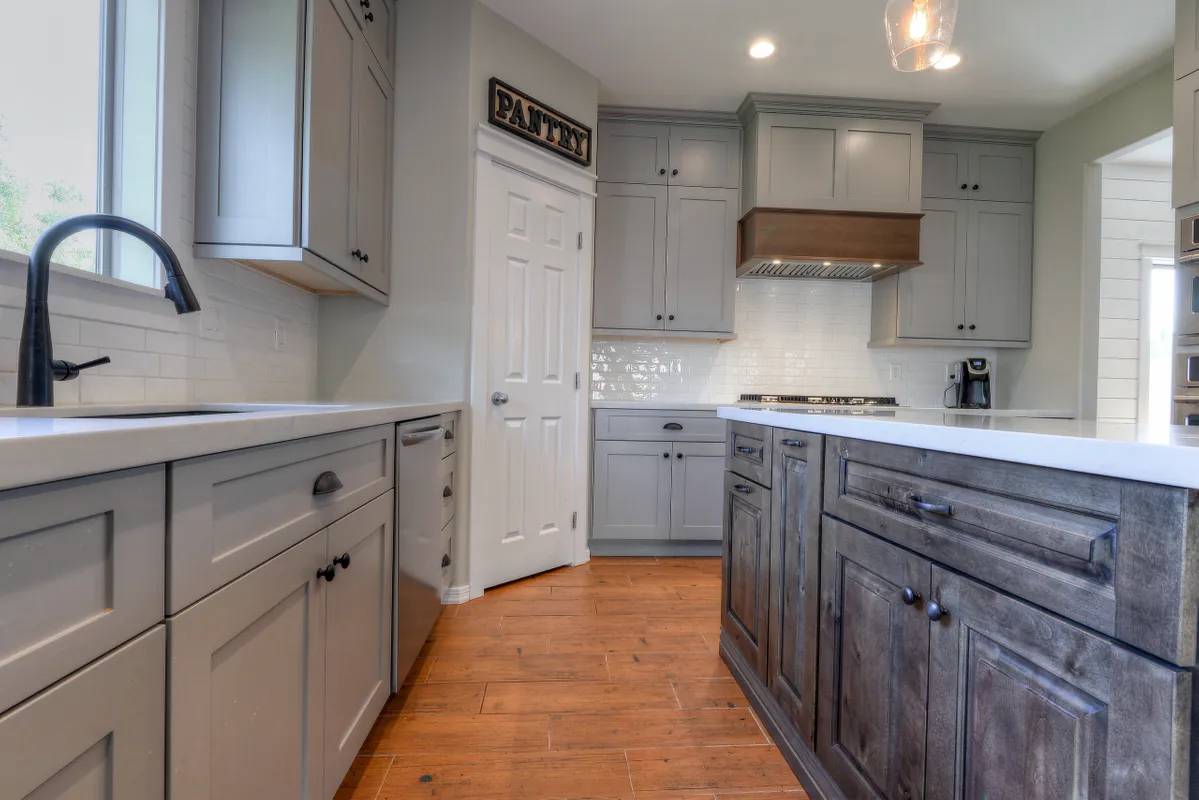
(973, 384)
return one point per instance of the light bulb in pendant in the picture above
(918, 24)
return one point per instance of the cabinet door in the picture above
(795, 576)
(745, 587)
(247, 684)
(630, 256)
(931, 298)
(796, 161)
(97, 735)
(873, 665)
(372, 184)
(697, 491)
(633, 152)
(1186, 38)
(357, 632)
(703, 155)
(1024, 704)
(999, 271)
(377, 20)
(1001, 172)
(701, 259)
(879, 165)
(329, 144)
(946, 169)
(1186, 140)
(632, 490)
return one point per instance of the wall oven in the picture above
(1186, 412)
(1186, 294)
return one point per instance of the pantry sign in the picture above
(530, 119)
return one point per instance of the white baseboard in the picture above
(456, 595)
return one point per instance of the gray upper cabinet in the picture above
(633, 152)
(358, 633)
(247, 682)
(701, 257)
(98, 735)
(1186, 139)
(705, 156)
(81, 570)
(961, 170)
(1186, 38)
(674, 154)
(946, 169)
(630, 256)
(632, 490)
(293, 140)
(999, 272)
(696, 509)
(931, 298)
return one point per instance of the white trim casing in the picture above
(455, 595)
(495, 149)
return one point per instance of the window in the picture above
(79, 127)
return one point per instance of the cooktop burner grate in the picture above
(818, 400)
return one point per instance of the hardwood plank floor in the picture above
(599, 682)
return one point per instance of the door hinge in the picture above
(578, 382)
(580, 240)
(574, 520)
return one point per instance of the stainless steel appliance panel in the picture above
(1186, 313)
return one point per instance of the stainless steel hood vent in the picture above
(812, 270)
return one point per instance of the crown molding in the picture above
(964, 133)
(861, 107)
(669, 115)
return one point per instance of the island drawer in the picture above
(81, 570)
(1084, 546)
(635, 425)
(749, 451)
(232, 511)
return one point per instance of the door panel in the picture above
(801, 164)
(946, 169)
(1023, 704)
(701, 259)
(632, 490)
(533, 285)
(630, 256)
(329, 146)
(795, 575)
(697, 491)
(879, 166)
(745, 586)
(633, 152)
(1186, 136)
(1002, 172)
(372, 188)
(999, 271)
(873, 665)
(702, 155)
(932, 297)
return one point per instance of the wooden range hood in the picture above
(826, 245)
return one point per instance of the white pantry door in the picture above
(533, 315)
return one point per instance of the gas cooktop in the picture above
(818, 400)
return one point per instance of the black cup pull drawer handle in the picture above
(370, 16)
(748, 451)
(445, 561)
(741, 488)
(794, 443)
(936, 611)
(909, 596)
(326, 483)
(343, 561)
(328, 573)
(672, 426)
(944, 509)
(447, 492)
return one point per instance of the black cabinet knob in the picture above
(326, 483)
(961, 327)
(328, 573)
(964, 186)
(662, 171)
(671, 317)
(674, 172)
(365, 3)
(910, 596)
(343, 561)
(972, 327)
(366, 258)
(356, 253)
(369, 16)
(975, 187)
(936, 611)
(659, 318)
(679, 456)
(666, 455)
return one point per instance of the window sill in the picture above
(13, 260)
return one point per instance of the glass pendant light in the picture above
(919, 32)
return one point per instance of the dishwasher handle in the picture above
(422, 435)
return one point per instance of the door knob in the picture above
(499, 399)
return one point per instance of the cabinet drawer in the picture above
(99, 733)
(658, 426)
(749, 451)
(81, 570)
(232, 511)
(449, 488)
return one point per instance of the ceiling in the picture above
(1026, 63)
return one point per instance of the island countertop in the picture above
(1167, 454)
(43, 445)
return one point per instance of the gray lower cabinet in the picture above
(96, 735)
(696, 509)
(873, 665)
(795, 576)
(745, 584)
(247, 683)
(631, 498)
(357, 632)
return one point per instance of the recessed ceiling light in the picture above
(948, 61)
(763, 48)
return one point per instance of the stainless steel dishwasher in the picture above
(419, 547)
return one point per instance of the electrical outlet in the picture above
(953, 372)
(896, 372)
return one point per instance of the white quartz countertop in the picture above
(1167, 454)
(36, 447)
(655, 405)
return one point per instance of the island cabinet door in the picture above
(1023, 704)
(745, 589)
(246, 676)
(873, 665)
(795, 575)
